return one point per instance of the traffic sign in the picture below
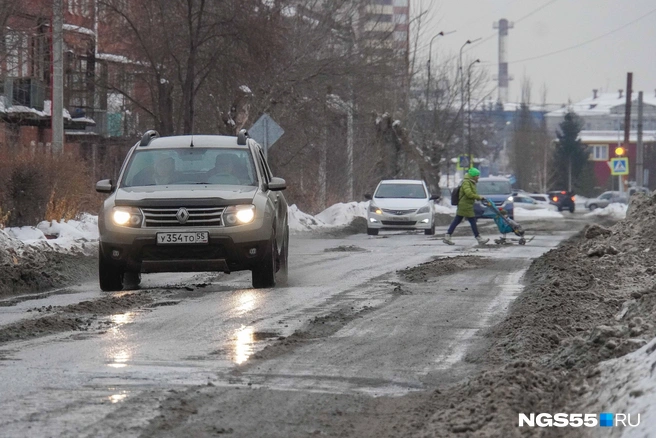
(619, 166)
(464, 162)
(266, 132)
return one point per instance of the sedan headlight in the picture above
(510, 199)
(239, 215)
(424, 209)
(127, 217)
(374, 209)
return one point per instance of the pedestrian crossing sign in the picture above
(619, 166)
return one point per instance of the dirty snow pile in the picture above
(615, 211)
(338, 215)
(73, 236)
(580, 338)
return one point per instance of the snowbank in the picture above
(300, 221)
(612, 211)
(65, 236)
(343, 214)
(636, 392)
(542, 213)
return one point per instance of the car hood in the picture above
(399, 203)
(184, 194)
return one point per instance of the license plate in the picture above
(401, 219)
(198, 237)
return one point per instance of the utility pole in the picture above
(57, 104)
(640, 157)
(627, 121)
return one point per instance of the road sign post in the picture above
(266, 132)
(619, 166)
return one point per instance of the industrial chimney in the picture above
(503, 25)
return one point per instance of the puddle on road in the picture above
(245, 339)
(116, 398)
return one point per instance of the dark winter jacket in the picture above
(468, 196)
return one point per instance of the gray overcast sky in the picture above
(554, 25)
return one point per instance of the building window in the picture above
(599, 152)
(17, 58)
(401, 19)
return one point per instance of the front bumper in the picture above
(228, 249)
(413, 221)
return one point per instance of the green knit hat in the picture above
(474, 172)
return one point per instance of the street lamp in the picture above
(462, 87)
(469, 151)
(428, 64)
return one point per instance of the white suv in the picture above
(401, 204)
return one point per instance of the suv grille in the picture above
(197, 217)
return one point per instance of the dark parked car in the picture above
(562, 199)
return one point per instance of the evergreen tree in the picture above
(572, 169)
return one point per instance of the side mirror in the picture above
(367, 196)
(434, 197)
(105, 186)
(277, 184)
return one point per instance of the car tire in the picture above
(430, 231)
(592, 207)
(283, 261)
(110, 276)
(571, 209)
(372, 231)
(264, 275)
(560, 208)
(131, 279)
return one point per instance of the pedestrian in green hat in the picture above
(466, 198)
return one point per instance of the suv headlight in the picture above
(239, 215)
(374, 209)
(127, 217)
(424, 209)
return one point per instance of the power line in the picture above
(576, 46)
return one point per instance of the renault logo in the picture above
(182, 215)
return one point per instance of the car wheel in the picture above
(560, 208)
(264, 275)
(372, 231)
(593, 207)
(283, 261)
(132, 279)
(109, 276)
(430, 231)
(571, 209)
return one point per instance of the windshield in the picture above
(493, 188)
(190, 166)
(409, 191)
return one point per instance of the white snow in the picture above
(245, 89)
(343, 214)
(540, 213)
(115, 58)
(64, 236)
(78, 29)
(300, 221)
(446, 209)
(627, 386)
(612, 211)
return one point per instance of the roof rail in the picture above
(148, 136)
(241, 137)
